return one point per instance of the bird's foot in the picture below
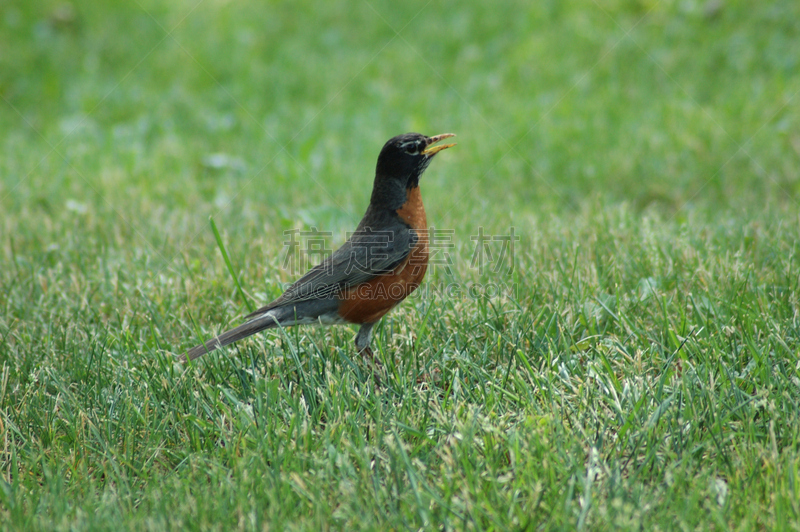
(372, 363)
(432, 378)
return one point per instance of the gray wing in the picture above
(367, 254)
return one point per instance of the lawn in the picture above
(609, 336)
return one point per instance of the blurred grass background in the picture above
(641, 373)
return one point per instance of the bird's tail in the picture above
(259, 323)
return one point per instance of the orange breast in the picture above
(368, 302)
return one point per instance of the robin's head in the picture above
(404, 157)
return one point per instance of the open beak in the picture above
(432, 150)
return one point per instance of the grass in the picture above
(634, 364)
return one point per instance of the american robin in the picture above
(380, 264)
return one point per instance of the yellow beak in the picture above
(432, 150)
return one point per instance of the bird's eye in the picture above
(411, 148)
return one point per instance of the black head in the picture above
(404, 158)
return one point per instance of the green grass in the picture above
(639, 369)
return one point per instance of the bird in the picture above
(380, 264)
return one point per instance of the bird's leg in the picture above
(362, 345)
(363, 339)
(367, 353)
